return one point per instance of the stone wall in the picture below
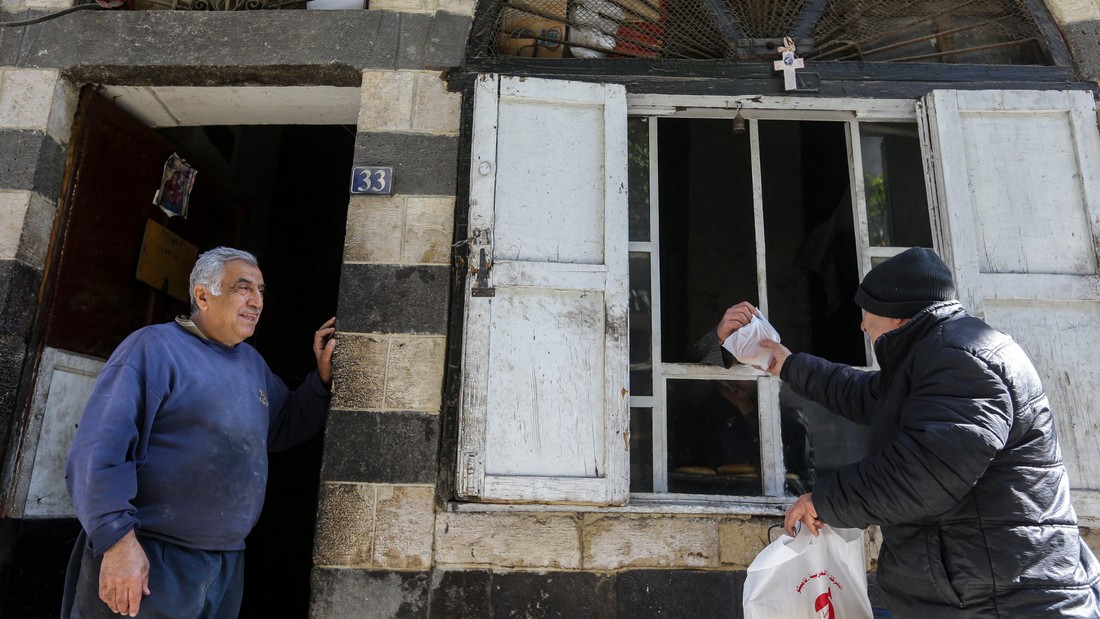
(1079, 21)
(36, 114)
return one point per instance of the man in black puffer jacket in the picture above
(965, 475)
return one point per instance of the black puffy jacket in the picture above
(965, 475)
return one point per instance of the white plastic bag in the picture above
(807, 577)
(744, 343)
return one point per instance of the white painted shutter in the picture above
(545, 411)
(1015, 184)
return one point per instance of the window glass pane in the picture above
(810, 238)
(713, 438)
(637, 136)
(708, 239)
(893, 178)
(641, 450)
(641, 325)
(833, 440)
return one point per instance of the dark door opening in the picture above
(277, 191)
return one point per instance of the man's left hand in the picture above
(324, 343)
(802, 511)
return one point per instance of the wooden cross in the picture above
(788, 64)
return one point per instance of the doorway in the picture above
(279, 191)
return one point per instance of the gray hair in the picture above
(210, 267)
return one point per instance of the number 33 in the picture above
(374, 181)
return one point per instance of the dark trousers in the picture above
(184, 583)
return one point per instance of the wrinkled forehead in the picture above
(239, 271)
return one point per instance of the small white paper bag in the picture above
(744, 343)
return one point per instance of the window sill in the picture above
(646, 504)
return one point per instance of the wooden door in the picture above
(91, 298)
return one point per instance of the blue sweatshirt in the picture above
(174, 440)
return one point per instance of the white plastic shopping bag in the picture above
(744, 343)
(807, 577)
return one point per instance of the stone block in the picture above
(66, 97)
(436, 110)
(1073, 11)
(429, 229)
(1082, 38)
(386, 40)
(26, 96)
(446, 42)
(414, 380)
(19, 286)
(622, 541)
(1091, 537)
(26, 222)
(384, 298)
(457, 7)
(740, 540)
(13, 211)
(872, 544)
(49, 5)
(37, 229)
(345, 525)
(273, 47)
(374, 229)
(388, 96)
(679, 593)
(534, 540)
(409, 6)
(359, 371)
(423, 163)
(414, 35)
(404, 517)
(459, 593)
(31, 159)
(367, 594)
(382, 447)
(555, 594)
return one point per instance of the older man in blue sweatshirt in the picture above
(169, 464)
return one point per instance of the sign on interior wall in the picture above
(166, 260)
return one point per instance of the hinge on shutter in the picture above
(472, 481)
(481, 263)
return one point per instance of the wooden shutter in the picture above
(545, 411)
(1015, 178)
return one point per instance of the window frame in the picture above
(852, 112)
(940, 188)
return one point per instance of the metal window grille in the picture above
(947, 31)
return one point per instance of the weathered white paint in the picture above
(180, 106)
(541, 383)
(1033, 219)
(65, 383)
(1016, 179)
(765, 107)
(658, 410)
(544, 408)
(1061, 337)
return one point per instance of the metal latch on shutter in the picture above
(481, 263)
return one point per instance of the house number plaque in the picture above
(372, 180)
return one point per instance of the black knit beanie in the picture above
(905, 284)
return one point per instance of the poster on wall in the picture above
(165, 260)
(175, 187)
